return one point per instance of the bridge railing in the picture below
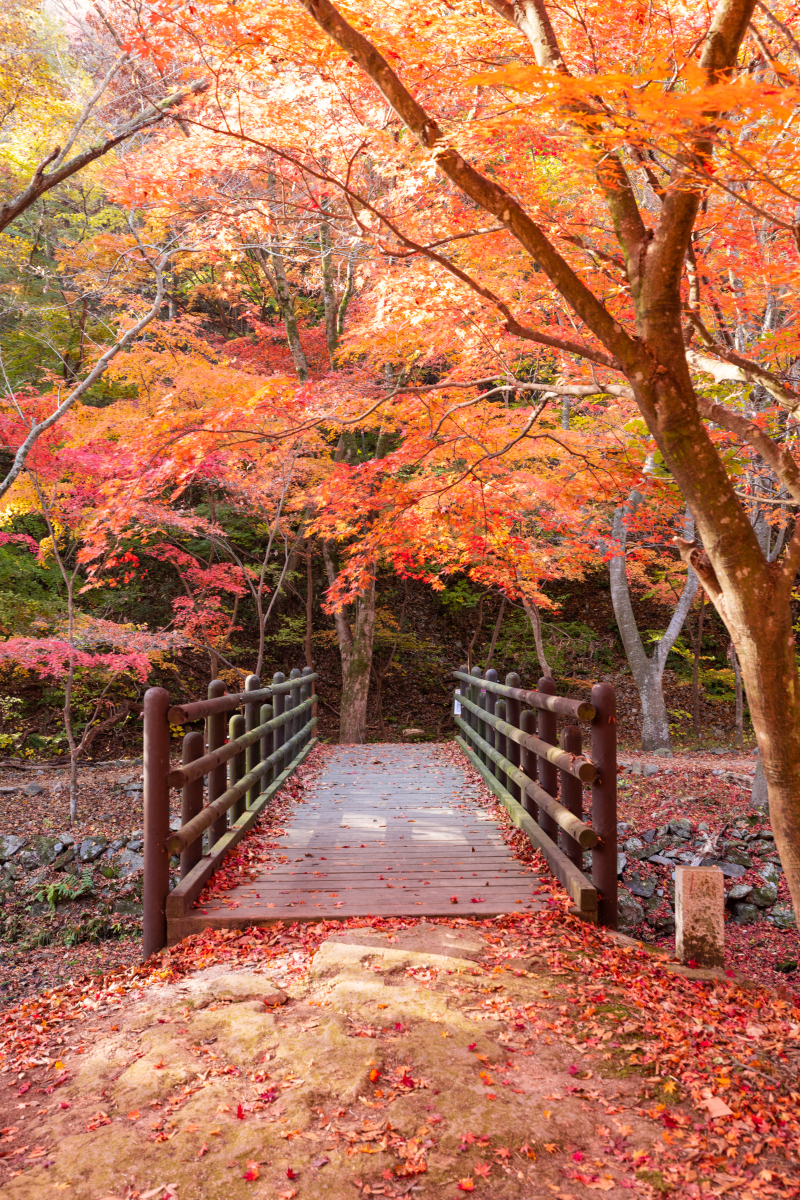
(238, 769)
(510, 735)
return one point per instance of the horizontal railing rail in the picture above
(183, 837)
(201, 766)
(574, 764)
(197, 710)
(580, 709)
(540, 783)
(257, 751)
(566, 820)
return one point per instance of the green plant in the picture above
(70, 888)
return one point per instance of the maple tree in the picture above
(603, 187)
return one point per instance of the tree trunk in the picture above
(355, 648)
(647, 671)
(495, 634)
(655, 718)
(536, 625)
(698, 650)
(737, 674)
(328, 291)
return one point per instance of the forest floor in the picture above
(516, 1057)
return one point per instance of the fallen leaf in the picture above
(252, 1172)
(466, 1185)
(482, 1168)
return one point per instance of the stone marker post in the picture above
(700, 916)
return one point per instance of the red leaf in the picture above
(240, 1112)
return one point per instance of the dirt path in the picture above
(524, 1057)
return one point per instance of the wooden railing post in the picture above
(266, 746)
(192, 800)
(279, 734)
(548, 772)
(253, 753)
(308, 691)
(215, 739)
(604, 802)
(156, 819)
(294, 700)
(500, 741)
(572, 794)
(529, 761)
(477, 698)
(236, 727)
(513, 708)
(490, 703)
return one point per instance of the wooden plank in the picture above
(429, 841)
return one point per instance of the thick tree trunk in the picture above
(655, 718)
(355, 647)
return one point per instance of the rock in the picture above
(175, 824)
(738, 856)
(65, 859)
(766, 835)
(764, 896)
(732, 870)
(664, 752)
(28, 860)
(622, 862)
(660, 860)
(33, 789)
(703, 826)
(66, 839)
(739, 891)
(650, 835)
(128, 908)
(412, 734)
(641, 887)
(136, 844)
(649, 769)
(47, 849)
(240, 987)
(92, 848)
(129, 863)
(623, 826)
(681, 827)
(9, 846)
(782, 916)
(630, 912)
(734, 777)
(664, 923)
(8, 791)
(745, 914)
(11, 871)
(633, 844)
(771, 873)
(117, 844)
(108, 872)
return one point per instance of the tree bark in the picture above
(536, 625)
(328, 290)
(355, 647)
(647, 672)
(698, 650)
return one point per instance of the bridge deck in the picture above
(384, 830)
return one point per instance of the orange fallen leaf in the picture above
(466, 1185)
(203, 1150)
(252, 1172)
(134, 1114)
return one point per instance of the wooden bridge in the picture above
(383, 830)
